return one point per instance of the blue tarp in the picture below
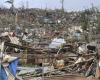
(12, 67)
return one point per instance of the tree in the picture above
(98, 24)
(11, 2)
(62, 4)
(85, 19)
(85, 22)
(88, 19)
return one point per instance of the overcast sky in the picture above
(69, 5)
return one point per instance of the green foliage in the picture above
(72, 40)
(98, 25)
(84, 21)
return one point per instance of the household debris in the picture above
(35, 42)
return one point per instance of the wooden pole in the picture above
(97, 75)
(42, 69)
(2, 51)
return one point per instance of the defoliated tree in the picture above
(12, 4)
(62, 4)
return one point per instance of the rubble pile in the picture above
(84, 64)
(52, 41)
